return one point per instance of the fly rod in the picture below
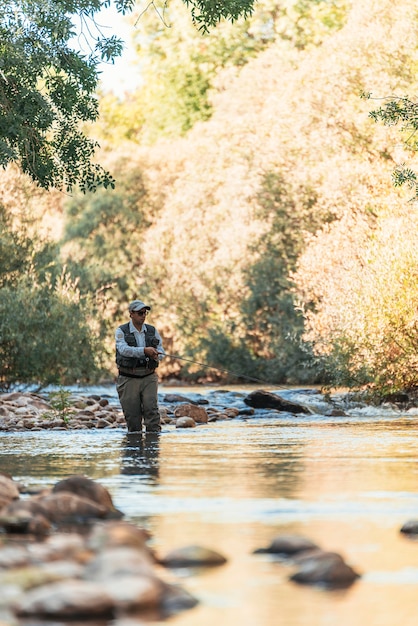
(225, 371)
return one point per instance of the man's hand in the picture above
(152, 353)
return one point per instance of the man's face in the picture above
(138, 317)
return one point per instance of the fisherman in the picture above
(138, 352)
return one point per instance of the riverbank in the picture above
(66, 409)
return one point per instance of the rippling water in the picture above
(348, 483)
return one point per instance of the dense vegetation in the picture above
(254, 206)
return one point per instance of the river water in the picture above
(348, 483)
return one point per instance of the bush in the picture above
(365, 322)
(44, 335)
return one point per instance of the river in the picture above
(348, 483)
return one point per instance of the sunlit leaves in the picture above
(207, 13)
(46, 90)
(403, 112)
(109, 48)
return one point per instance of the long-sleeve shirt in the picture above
(138, 350)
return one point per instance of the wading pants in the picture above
(139, 400)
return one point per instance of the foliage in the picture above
(222, 271)
(182, 70)
(366, 321)
(281, 197)
(108, 226)
(207, 13)
(44, 335)
(404, 112)
(47, 90)
(61, 405)
(103, 248)
(273, 326)
(47, 87)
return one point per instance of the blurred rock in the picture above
(9, 490)
(66, 599)
(87, 488)
(192, 556)
(410, 527)
(288, 545)
(325, 568)
(185, 422)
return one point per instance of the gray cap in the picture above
(137, 305)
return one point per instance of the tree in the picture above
(183, 70)
(47, 88)
(45, 336)
(401, 111)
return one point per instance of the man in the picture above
(138, 352)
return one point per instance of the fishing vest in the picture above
(128, 362)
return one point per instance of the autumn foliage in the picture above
(265, 230)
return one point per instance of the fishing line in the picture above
(225, 371)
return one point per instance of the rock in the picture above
(327, 568)
(9, 490)
(174, 397)
(26, 523)
(118, 562)
(80, 404)
(103, 423)
(185, 422)
(23, 509)
(87, 488)
(317, 553)
(13, 556)
(61, 546)
(192, 556)
(266, 400)
(396, 398)
(36, 575)
(66, 599)
(288, 545)
(134, 592)
(249, 411)
(336, 412)
(63, 507)
(74, 576)
(114, 534)
(176, 599)
(410, 527)
(198, 413)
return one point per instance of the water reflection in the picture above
(140, 455)
(346, 483)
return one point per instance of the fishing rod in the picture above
(225, 371)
